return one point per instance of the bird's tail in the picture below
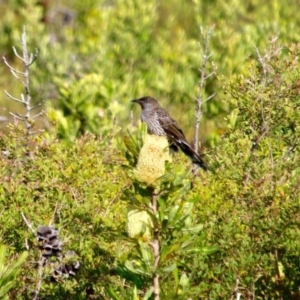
(188, 151)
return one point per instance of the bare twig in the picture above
(264, 130)
(38, 105)
(41, 263)
(38, 115)
(264, 61)
(26, 244)
(17, 55)
(27, 223)
(36, 131)
(56, 209)
(23, 76)
(13, 98)
(30, 227)
(17, 116)
(236, 291)
(200, 100)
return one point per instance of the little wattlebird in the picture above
(159, 122)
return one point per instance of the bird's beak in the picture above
(135, 101)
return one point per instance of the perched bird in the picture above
(159, 122)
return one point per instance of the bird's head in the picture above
(146, 102)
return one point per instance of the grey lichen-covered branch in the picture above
(24, 77)
(200, 100)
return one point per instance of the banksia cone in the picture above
(67, 267)
(49, 241)
(51, 246)
(152, 158)
(139, 224)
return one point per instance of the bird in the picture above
(160, 123)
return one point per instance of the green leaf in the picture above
(146, 254)
(162, 208)
(168, 249)
(8, 272)
(168, 269)
(149, 293)
(193, 229)
(203, 250)
(112, 293)
(168, 177)
(176, 276)
(136, 268)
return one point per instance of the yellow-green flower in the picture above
(152, 158)
(139, 223)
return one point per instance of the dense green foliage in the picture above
(251, 204)
(80, 198)
(94, 58)
(124, 49)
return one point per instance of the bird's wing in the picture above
(175, 133)
(169, 125)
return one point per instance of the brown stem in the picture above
(278, 273)
(41, 263)
(155, 245)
